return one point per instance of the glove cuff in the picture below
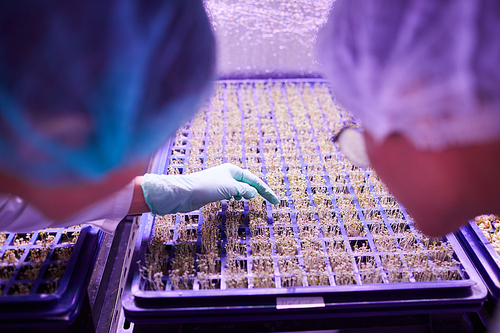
(158, 193)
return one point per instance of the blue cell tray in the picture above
(362, 298)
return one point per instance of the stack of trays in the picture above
(44, 275)
(483, 255)
(337, 244)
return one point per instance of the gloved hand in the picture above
(168, 194)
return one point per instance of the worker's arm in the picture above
(17, 215)
(167, 194)
(441, 190)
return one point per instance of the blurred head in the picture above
(423, 79)
(90, 89)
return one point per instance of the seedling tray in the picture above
(52, 269)
(483, 255)
(337, 244)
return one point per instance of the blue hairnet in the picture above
(424, 68)
(87, 87)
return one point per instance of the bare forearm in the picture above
(138, 205)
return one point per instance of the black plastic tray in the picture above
(483, 255)
(62, 306)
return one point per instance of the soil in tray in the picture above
(54, 272)
(12, 255)
(62, 253)
(38, 254)
(45, 238)
(29, 272)
(6, 272)
(21, 239)
(20, 289)
(48, 287)
(3, 238)
(69, 237)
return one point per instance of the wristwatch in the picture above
(351, 142)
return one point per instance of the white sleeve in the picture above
(16, 215)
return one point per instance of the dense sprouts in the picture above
(336, 223)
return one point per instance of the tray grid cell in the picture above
(336, 224)
(34, 264)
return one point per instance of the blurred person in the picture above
(423, 78)
(88, 91)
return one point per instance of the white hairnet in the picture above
(427, 69)
(87, 87)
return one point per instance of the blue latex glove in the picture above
(168, 194)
